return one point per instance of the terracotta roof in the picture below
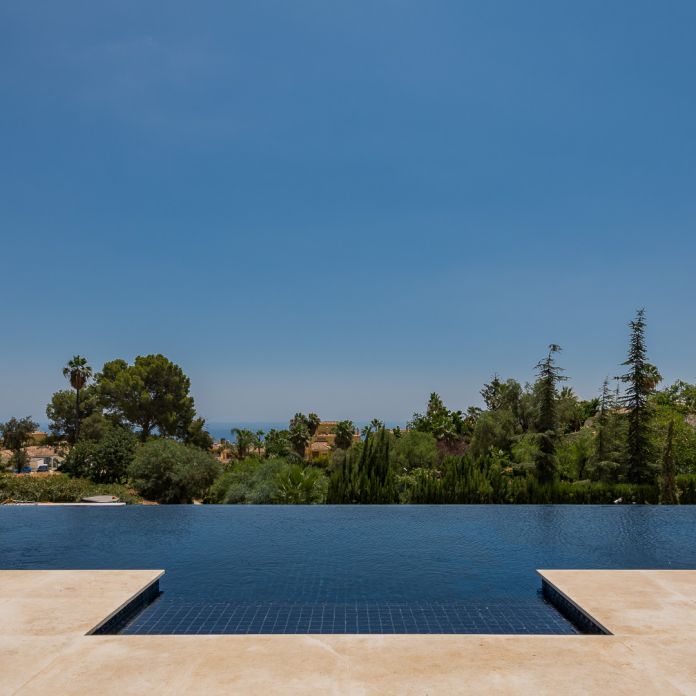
(42, 451)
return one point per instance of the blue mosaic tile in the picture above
(579, 618)
(172, 616)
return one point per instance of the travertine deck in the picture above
(44, 616)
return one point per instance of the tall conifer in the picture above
(549, 375)
(640, 379)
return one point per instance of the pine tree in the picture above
(492, 393)
(640, 379)
(670, 495)
(549, 375)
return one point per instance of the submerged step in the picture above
(171, 616)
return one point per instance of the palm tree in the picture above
(344, 434)
(299, 486)
(313, 421)
(299, 436)
(376, 424)
(652, 377)
(244, 440)
(258, 441)
(78, 373)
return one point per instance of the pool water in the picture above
(349, 569)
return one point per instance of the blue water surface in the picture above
(463, 557)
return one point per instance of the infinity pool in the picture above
(349, 569)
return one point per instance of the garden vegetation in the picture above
(134, 428)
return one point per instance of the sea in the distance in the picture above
(222, 429)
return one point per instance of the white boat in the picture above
(101, 499)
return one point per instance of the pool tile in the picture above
(171, 616)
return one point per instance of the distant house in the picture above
(44, 455)
(222, 451)
(324, 438)
(39, 456)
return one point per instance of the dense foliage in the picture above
(528, 443)
(151, 395)
(366, 474)
(105, 460)
(264, 481)
(167, 471)
(15, 434)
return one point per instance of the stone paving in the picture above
(45, 646)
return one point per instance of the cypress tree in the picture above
(640, 378)
(549, 375)
(366, 477)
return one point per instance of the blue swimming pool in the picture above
(296, 569)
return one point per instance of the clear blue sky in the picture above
(341, 206)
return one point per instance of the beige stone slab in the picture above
(42, 611)
(673, 656)
(632, 602)
(65, 602)
(21, 658)
(44, 616)
(348, 665)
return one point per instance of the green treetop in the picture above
(641, 378)
(16, 435)
(244, 441)
(152, 394)
(78, 373)
(345, 430)
(549, 374)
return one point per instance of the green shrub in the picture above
(169, 472)
(105, 461)
(365, 475)
(462, 480)
(301, 486)
(58, 488)
(265, 481)
(525, 450)
(459, 480)
(574, 452)
(686, 487)
(413, 450)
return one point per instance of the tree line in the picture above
(128, 423)
(535, 442)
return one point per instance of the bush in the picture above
(525, 450)
(169, 472)
(461, 480)
(606, 471)
(686, 487)
(58, 488)
(575, 452)
(264, 481)
(414, 450)
(106, 461)
(301, 486)
(366, 475)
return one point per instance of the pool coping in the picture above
(571, 610)
(129, 609)
(49, 644)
